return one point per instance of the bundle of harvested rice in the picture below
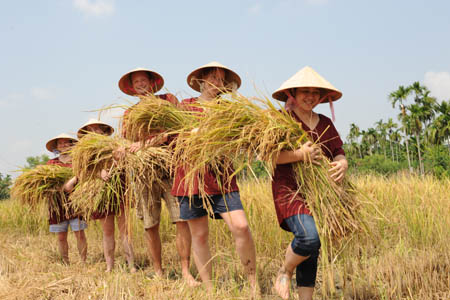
(238, 131)
(43, 184)
(129, 174)
(96, 196)
(153, 115)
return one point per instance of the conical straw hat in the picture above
(307, 77)
(230, 76)
(125, 81)
(51, 144)
(82, 131)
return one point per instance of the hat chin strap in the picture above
(330, 100)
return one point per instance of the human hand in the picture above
(135, 147)
(309, 152)
(338, 169)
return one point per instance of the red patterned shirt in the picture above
(284, 187)
(211, 184)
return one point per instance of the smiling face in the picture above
(64, 145)
(307, 98)
(141, 83)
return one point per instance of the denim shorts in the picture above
(306, 238)
(75, 224)
(306, 243)
(193, 208)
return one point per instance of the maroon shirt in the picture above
(54, 217)
(211, 185)
(168, 97)
(284, 187)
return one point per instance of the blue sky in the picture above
(61, 59)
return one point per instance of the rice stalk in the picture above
(43, 184)
(153, 115)
(238, 131)
(129, 174)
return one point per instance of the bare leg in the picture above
(126, 240)
(283, 280)
(63, 246)
(109, 244)
(200, 247)
(183, 241)
(154, 247)
(245, 247)
(305, 293)
(81, 244)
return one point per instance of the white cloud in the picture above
(255, 9)
(439, 84)
(95, 7)
(43, 93)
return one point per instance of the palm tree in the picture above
(390, 125)
(354, 135)
(441, 125)
(381, 128)
(415, 119)
(396, 137)
(400, 96)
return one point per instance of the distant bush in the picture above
(5, 183)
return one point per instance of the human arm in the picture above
(308, 152)
(70, 184)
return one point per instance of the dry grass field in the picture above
(405, 256)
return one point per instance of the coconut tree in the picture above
(400, 96)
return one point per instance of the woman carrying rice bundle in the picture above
(302, 92)
(141, 83)
(106, 214)
(61, 217)
(223, 195)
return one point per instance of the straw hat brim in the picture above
(307, 77)
(51, 144)
(125, 81)
(230, 76)
(82, 131)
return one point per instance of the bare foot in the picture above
(109, 269)
(133, 269)
(282, 284)
(190, 280)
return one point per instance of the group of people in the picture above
(302, 92)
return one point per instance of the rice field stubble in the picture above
(406, 255)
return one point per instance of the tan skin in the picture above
(64, 145)
(305, 100)
(235, 220)
(142, 85)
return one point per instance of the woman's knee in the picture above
(240, 229)
(306, 245)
